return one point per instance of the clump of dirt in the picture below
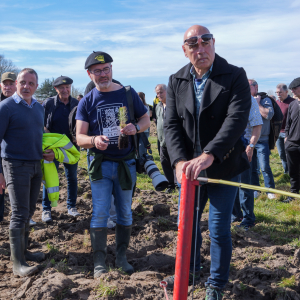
(258, 267)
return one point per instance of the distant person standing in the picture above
(160, 111)
(8, 88)
(261, 153)
(154, 118)
(283, 101)
(142, 148)
(57, 110)
(292, 139)
(79, 97)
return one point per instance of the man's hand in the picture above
(193, 167)
(179, 171)
(285, 139)
(2, 183)
(129, 129)
(249, 152)
(257, 98)
(49, 155)
(101, 142)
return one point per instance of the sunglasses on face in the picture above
(192, 41)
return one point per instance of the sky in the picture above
(145, 37)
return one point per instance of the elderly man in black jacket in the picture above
(208, 104)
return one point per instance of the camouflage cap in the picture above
(8, 76)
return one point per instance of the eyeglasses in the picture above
(193, 41)
(98, 72)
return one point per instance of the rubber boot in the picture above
(17, 248)
(122, 241)
(29, 256)
(99, 240)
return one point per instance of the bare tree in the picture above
(76, 91)
(6, 65)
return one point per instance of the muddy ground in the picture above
(257, 265)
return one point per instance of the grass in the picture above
(104, 290)
(52, 249)
(288, 282)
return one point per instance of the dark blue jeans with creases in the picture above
(219, 222)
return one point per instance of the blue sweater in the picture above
(21, 130)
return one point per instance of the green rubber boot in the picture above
(17, 248)
(29, 256)
(99, 240)
(123, 234)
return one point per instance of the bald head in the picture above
(195, 30)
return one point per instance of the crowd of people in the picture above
(211, 120)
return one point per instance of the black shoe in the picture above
(245, 227)
(288, 200)
(123, 234)
(171, 279)
(170, 190)
(99, 245)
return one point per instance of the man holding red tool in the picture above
(208, 104)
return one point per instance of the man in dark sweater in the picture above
(8, 87)
(283, 101)
(292, 139)
(21, 132)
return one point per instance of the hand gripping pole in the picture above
(184, 241)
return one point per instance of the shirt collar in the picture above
(205, 76)
(18, 99)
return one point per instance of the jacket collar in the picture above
(2, 97)
(56, 99)
(221, 66)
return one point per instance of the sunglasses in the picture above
(192, 41)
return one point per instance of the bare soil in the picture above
(257, 265)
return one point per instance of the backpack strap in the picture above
(131, 114)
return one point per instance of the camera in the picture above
(147, 164)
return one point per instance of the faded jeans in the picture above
(23, 181)
(103, 189)
(281, 151)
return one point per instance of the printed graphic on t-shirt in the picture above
(108, 122)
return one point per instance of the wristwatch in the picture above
(137, 127)
(251, 146)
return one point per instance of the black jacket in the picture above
(292, 126)
(224, 111)
(50, 106)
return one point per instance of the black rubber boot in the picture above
(17, 248)
(122, 241)
(37, 256)
(99, 240)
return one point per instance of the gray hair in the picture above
(162, 85)
(254, 82)
(282, 86)
(30, 71)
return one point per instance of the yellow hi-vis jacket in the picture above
(65, 152)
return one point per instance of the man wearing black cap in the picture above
(292, 139)
(8, 88)
(112, 170)
(57, 110)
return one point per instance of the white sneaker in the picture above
(73, 212)
(271, 196)
(31, 223)
(111, 224)
(256, 194)
(46, 216)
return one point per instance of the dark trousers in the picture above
(2, 205)
(293, 161)
(23, 181)
(166, 166)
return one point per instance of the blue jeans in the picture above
(71, 175)
(112, 211)
(244, 201)
(260, 160)
(281, 151)
(221, 204)
(103, 189)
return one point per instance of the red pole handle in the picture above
(184, 241)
